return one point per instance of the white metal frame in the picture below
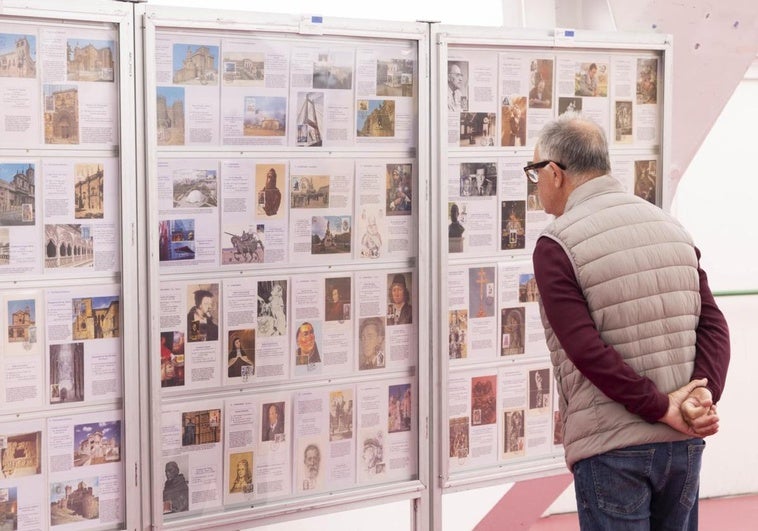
(91, 13)
(224, 23)
(554, 41)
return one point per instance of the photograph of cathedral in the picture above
(527, 288)
(195, 64)
(88, 191)
(90, 60)
(17, 205)
(95, 317)
(21, 321)
(18, 54)
(61, 114)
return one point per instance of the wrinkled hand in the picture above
(699, 412)
(674, 415)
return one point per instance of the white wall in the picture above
(396, 516)
(717, 196)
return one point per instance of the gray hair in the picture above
(576, 142)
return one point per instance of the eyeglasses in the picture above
(531, 170)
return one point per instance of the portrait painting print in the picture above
(241, 354)
(272, 422)
(337, 299)
(203, 312)
(241, 473)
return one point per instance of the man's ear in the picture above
(558, 176)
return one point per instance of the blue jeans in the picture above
(640, 488)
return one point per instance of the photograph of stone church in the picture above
(90, 60)
(88, 191)
(22, 316)
(195, 64)
(95, 317)
(17, 205)
(61, 114)
(18, 55)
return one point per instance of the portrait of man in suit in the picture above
(273, 422)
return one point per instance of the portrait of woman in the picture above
(243, 481)
(241, 356)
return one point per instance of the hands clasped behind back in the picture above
(691, 410)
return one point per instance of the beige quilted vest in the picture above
(638, 270)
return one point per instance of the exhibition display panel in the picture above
(284, 177)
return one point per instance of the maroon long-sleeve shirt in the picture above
(569, 316)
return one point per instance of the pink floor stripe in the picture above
(524, 503)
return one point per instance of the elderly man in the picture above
(638, 344)
(312, 462)
(456, 102)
